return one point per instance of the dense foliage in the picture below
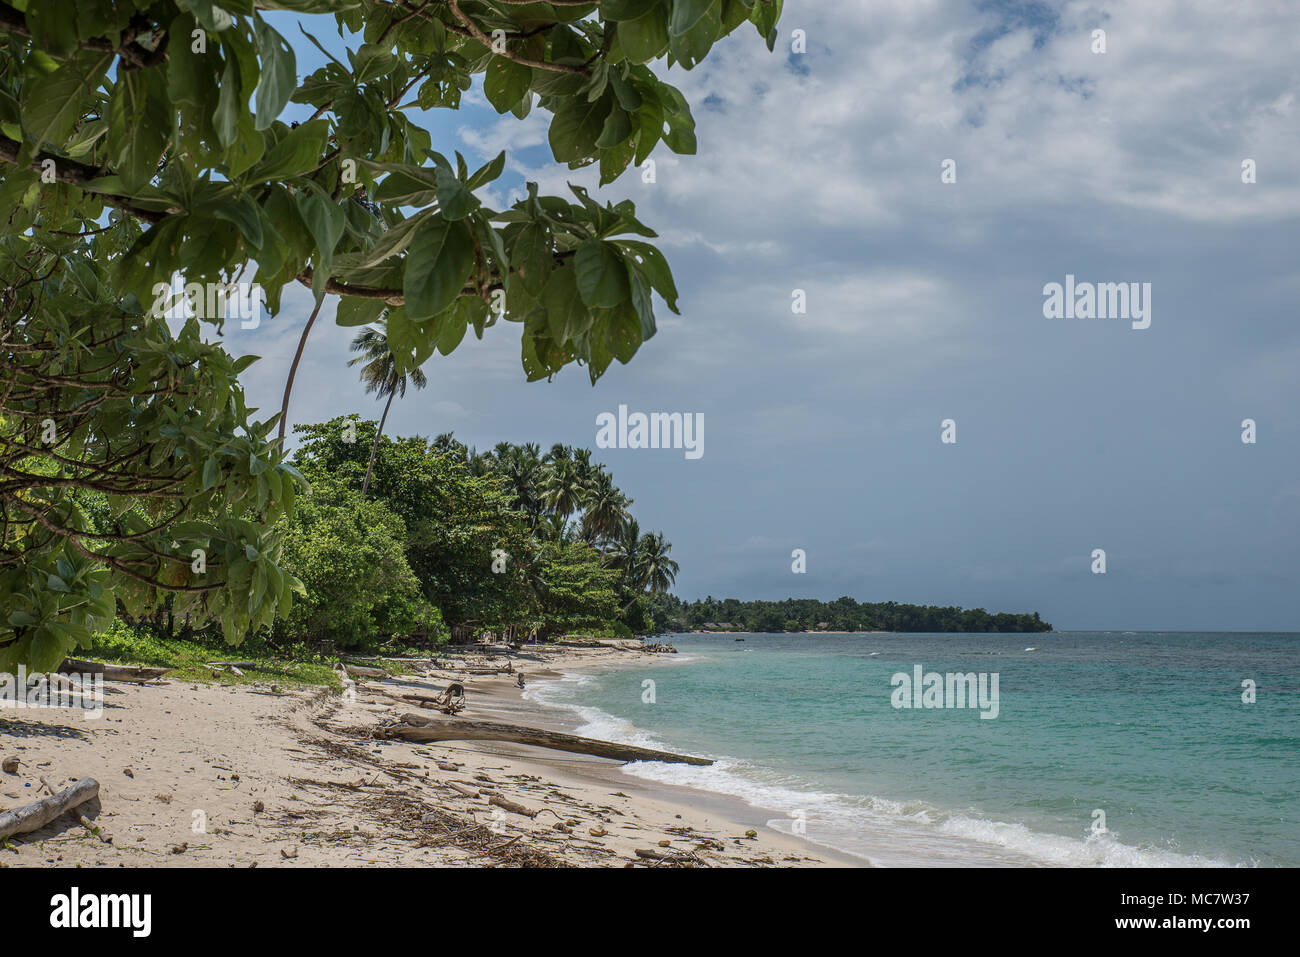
(843, 614)
(140, 139)
(544, 543)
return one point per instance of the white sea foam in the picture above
(885, 832)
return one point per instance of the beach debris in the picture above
(10, 764)
(258, 807)
(33, 817)
(519, 682)
(414, 727)
(679, 857)
(598, 832)
(290, 852)
(451, 701)
(665, 843)
(128, 772)
(462, 790)
(180, 848)
(508, 805)
(751, 834)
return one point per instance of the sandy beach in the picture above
(245, 776)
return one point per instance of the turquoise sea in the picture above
(1149, 728)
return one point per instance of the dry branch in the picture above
(33, 817)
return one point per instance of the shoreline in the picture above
(726, 806)
(225, 775)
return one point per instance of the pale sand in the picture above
(201, 757)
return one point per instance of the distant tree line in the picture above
(670, 613)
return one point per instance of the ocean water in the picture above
(1148, 728)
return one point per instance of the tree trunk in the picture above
(33, 817)
(416, 727)
(72, 666)
(293, 370)
(365, 486)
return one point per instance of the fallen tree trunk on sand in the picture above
(357, 671)
(33, 817)
(418, 727)
(111, 672)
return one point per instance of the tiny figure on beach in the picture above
(519, 682)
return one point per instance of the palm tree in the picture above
(658, 571)
(562, 487)
(605, 508)
(380, 375)
(523, 472)
(625, 554)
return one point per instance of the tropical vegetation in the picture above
(142, 140)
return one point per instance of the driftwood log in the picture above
(416, 727)
(357, 671)
(33, 817)
(498, 801)
(111, 672)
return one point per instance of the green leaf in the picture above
(506, 83)
(279, 73)
(211, 472)
(566, 316)
(451, 330)
(138, 122)
(576, 127)
(410, 343)
(533, 256)
(437, 265)
(646, 37)
(324, 218)
(243, 212)
(298, 153)
(353, 311)
(455, 201)
(487, 172)
(226, 118)
(692, 29)
(641, 302)
(408, 186)
(655, 268)
(52, 103)
(602, 280)
(617, 129)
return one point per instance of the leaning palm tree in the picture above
(380, 375)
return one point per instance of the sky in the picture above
(822, 171)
